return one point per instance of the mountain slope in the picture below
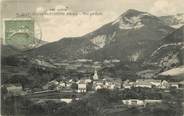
(66, 48)
(175, 21)
(7, 50)
(133, 36)
(179, 71)
(171, 52)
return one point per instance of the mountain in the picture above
(66, 48)
(20, 41)
(175, 21)
(171, 52)
(135, 35)
(7, 50)
(132, 36)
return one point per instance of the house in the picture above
(115, 60)
(82, 87)
(110, 86)
(62, 84)
(134, 102)
(106, 61)
(68, 84)
(148, 83)
(43, 63)
(71, 81)
(84, 60)
(107, 83)
(155, 83)
(118, 83)
(127, 84)
(86, 80)
(45, 87)
(98, 84)
(143, 83)
(104, 86)
(111, 83)
(113, 86)
(181, 84)
(148, 101)
(137, 102)
(174, 85)
(51, 85)
(66, 100)
(14, 89)
(98, 87)
(164, 84)
(53, 82)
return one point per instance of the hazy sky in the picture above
(56, 26)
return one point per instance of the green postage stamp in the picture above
(19, 32)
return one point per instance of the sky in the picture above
(70, 18)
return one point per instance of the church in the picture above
(95, 76)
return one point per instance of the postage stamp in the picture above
(20, 33)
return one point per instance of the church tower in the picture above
(95, 76)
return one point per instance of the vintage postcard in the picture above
(92, 57)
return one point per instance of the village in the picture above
(71, 90)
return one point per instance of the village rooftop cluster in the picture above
(90, 85)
